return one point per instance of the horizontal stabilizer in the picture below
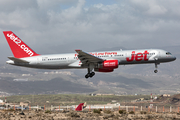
(18, 60)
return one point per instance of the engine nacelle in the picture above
(109, 64)
(103, 70)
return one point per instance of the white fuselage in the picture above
(105, 61)
(66, 61)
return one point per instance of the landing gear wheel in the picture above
(92, 74)
(156, 66)
(155, 71)
(86, 76)
(89, 75)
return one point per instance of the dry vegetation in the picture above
(100, 115)
(71, 99)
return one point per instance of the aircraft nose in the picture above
(173, 58)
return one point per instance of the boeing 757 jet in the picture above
(105, 61)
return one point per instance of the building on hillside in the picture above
(21, 80)
(103, 94)
(166, 95)
(114, 101)
(1, 102)
(24, 104)
(92, 94)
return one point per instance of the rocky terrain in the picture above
(85, 115)
(173, 100)
(163, 112)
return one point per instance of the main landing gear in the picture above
(155, 71)
(90, 73)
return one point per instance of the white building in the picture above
(1, 101)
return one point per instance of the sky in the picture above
(58, 26)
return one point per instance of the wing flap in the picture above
(18, 60)
(88, 58)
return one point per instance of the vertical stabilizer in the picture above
(18, 47)
(80, 107)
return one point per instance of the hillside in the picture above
(173, 100)
(56, 85)
(68, 99)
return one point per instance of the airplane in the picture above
(104, 61)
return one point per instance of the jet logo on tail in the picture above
(19, 49)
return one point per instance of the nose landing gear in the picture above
(155, 71)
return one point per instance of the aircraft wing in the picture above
(18, 60)
(88, 58)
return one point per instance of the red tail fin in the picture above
(18, 47)
(80, 107)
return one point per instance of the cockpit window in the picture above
(168, 53)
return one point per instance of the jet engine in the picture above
(107, 66)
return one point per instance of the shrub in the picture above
(97, 111)
(48, 111)
(107, 111)
(122, 112)
(9, 110)
(131, 112)
(143, 112)
(73, 114)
